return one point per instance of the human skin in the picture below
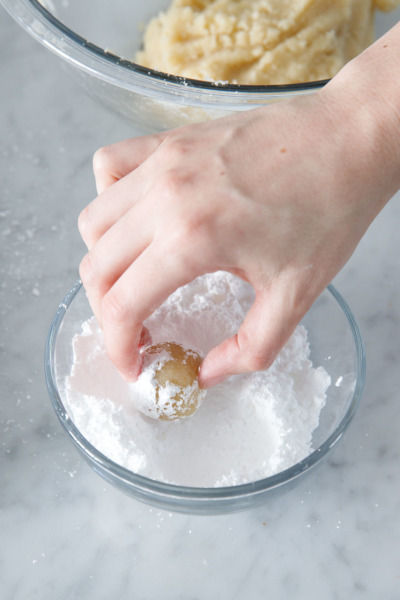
(279, 195)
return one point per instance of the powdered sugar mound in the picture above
(203, 313)
(250, 427)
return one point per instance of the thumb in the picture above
(266, 328)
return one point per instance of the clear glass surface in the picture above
(97, 40)
(335, 344)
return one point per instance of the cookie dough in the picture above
(168, 388)
(259, 41)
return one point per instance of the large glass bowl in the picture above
(98, 38)
(335, 344)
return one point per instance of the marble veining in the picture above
(65, 533)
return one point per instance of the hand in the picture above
(272, 195)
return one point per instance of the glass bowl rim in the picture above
(110, 67)
(134, 480)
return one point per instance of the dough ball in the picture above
(168, 387)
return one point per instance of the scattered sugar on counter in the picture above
(249, 427)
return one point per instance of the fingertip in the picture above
(207, 383)
(217, 365)
(133, 365)
(123, 351)
(130, 371)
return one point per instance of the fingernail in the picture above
(130, 377)
(145, 338)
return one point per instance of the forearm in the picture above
(365, 100)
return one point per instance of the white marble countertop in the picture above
(65, 533)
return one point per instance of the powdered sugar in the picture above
(250, 427)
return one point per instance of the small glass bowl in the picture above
(336, 345)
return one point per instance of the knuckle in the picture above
(102, 159)
(257, 361)
(188, 243)
(87, 270)
(84, 223)
(254, 357)
(173, 186)
(195, 237)
(114, 309)
(176, 148)
(193, 241)
(186, 230)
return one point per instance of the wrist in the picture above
(364, 101)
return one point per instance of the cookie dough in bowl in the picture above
(100, 54)
(259, 42)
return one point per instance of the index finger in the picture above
(140, 290)
(112, 163)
